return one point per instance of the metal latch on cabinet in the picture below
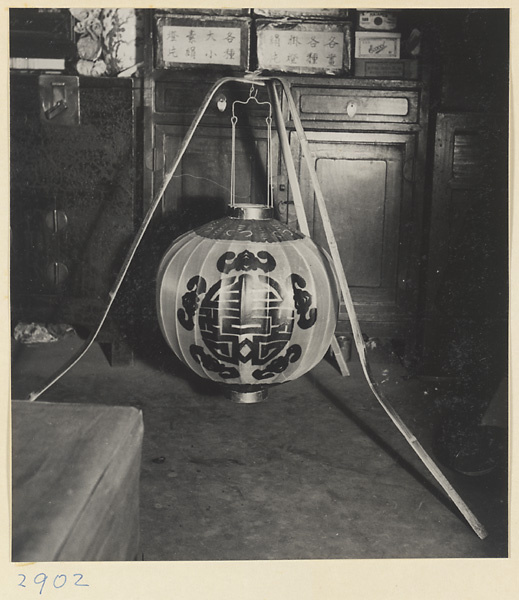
(351, 109)
(56, 110)
(59, 96)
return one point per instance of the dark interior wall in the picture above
(473, 77)
(468, 52)
(474, 45)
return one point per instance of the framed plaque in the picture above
(309, 47)
(195, 41)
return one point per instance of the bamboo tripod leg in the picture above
(357, 334)
(298, 199)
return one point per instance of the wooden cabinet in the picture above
(200, 188)
(367, 140)
(203, 180)
(73, 205)
(370, 203)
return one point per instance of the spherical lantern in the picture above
(247, 302)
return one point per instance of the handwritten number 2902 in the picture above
(59, 581)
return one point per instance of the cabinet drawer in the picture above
(375, 106)
(179, 99)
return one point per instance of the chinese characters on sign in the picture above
(301, 49)
(201, 45)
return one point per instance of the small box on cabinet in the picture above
(377, 20)
(377, 44)
(404, 68)
(309, 47)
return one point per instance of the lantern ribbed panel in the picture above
(247, 303)
(311, 267)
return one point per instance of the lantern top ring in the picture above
(251, 211)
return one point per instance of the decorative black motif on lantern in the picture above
(246, 261)
(279, 364)
(303, 301)
(242, 319)
(190, 301)
(211, 364)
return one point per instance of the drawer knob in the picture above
(351, 109)
(221, 102)
(57, 273)
(56, 220)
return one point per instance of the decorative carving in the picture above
(110, 40)
(303, 301)
(190, 301)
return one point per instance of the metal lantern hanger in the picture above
(253, 97)
(334, 252)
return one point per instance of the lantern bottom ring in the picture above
(241, 397)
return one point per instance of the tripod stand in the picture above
(270, 82)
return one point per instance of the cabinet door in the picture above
(200, 188)
(466, 317)
(366, 181)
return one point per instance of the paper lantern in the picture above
(247, 302)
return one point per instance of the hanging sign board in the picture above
(184, 42)
(309, 47)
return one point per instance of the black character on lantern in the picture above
(303, 301)
(279, 364)
(211, 364)
(244, 317)
(190, 301)
(246, 261)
